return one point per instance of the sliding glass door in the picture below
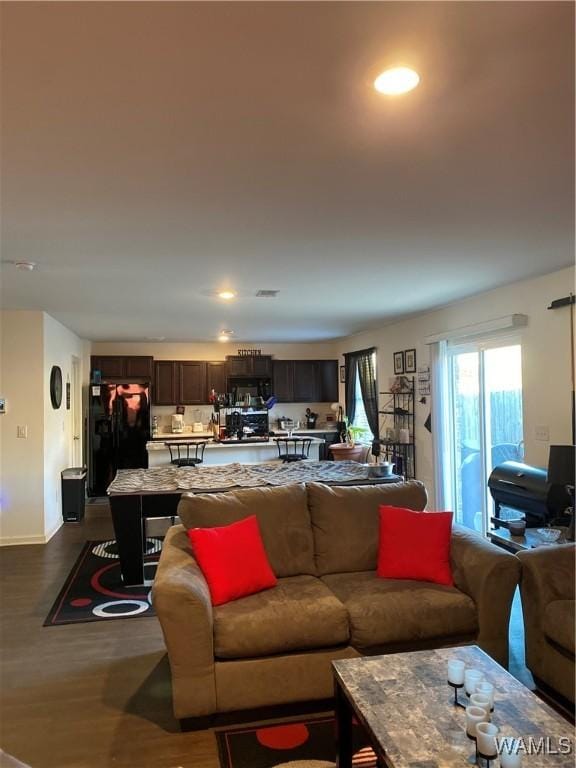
(485, 415)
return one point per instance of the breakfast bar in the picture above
(136, 494)
(247, 451)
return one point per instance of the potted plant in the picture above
(350, 450)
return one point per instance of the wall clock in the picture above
(56, 386)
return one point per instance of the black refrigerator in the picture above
(118, 430)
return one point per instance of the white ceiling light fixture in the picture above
(396, 81)
(225, 335)
(227, 295)
(25, 266)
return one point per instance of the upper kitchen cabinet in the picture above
(306, 381)
(283, 380)
(192, 382)
(327, 381)
(165, 380)
(117, 367)
(215, 378)
(256, 365)
(306, 389)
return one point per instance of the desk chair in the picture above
(186, 453)
(293, 448)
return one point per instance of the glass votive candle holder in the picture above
(456, 672)
(471, 679)
(510, 756)
(480, 700)
(474, 715)
(486, 689)
(486, 740)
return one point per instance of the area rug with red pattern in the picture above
(307, 739)
(93, 590)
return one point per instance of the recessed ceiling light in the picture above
(397, 80)
(25, 266)
(225, 335)
(227, 295)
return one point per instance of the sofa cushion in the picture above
(299, 613)
(389, 611)
(232, 559)
(558, 621)
(345, 521)
(282, 515)
(415, 545)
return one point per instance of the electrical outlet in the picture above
(22, 431)
(542, 433)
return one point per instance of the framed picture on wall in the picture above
(342, 374)
(398, 363)
(410, 361)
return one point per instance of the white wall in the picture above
(60, 345)
(22, 460)
(32, 342)
(545, 357)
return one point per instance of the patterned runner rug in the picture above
(93, 590)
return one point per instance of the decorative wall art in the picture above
(398, 363)
(410, 361)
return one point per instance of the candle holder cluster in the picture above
(479, 707)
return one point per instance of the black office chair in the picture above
(293, 448)
(186, 453)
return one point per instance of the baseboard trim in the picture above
(14, 541)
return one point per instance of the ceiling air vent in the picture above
(266, 294)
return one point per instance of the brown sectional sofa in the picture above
(275, 647)
(547, 589)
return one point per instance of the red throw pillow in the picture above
(415, 545)
(232, 559)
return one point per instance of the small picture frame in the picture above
(410, 361)
(398, 363)
(342, 374)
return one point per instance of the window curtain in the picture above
(363, 364)
(440, 397)
(350, 368)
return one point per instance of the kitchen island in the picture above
(242, 451)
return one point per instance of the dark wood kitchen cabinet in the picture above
(306, 381)
(283, 380)
(256, 365)
(191, 382)
(327, 381)
(184, 382)
(123, 367)
(306, 388)
(164, 392)
(215, 378)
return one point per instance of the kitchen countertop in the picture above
(170, 436)
(158, 445)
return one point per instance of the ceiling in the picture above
(153, 152)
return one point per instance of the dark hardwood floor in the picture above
(96, 695)
(84, 695)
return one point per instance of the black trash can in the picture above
(73, 494)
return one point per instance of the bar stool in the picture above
(293, 448)
(186, 453)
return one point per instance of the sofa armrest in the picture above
(182, 602)
(489, 575)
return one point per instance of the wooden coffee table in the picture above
(406, 707)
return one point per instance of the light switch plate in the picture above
(542, 433)
(22, 430)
